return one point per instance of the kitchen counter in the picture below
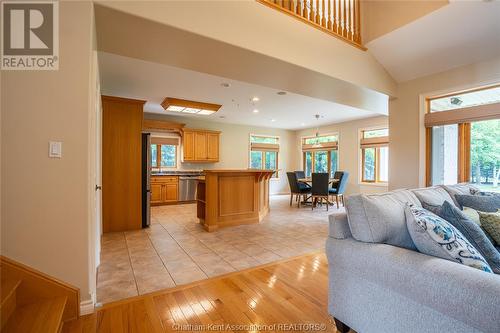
(178, 173)
(233, 197)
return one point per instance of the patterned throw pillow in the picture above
(472, 231)
(491, 223)
(472, 214)
(434, 236)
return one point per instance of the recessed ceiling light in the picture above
(273, 120)
(302, 124)
(255, 111)
(222, 117)
(255, 99)
(225, 84)
(281, 93)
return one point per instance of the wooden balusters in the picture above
(339, 17)
(329, 21)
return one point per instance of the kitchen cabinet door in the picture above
(213, 146)
(200, 146)
(171, 191)
(156, 193)
(188, 146)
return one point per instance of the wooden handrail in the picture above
(340, 18)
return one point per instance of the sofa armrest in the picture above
(338, 226)
(463, 293)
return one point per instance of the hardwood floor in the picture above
(289, 292)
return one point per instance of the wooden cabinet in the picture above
(121, 164)
(200, 146)
(164, 189)
(213, 146)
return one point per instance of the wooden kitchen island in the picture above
(233, 197)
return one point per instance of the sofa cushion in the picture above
(472, 231)
(491, 223)
(433, 235)
(462, 188)
(380, 218)
(483, 203)
(434, 196)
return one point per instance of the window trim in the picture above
(335, 147)
(361, 158)
(276, 175)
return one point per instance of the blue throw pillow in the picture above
(472, 231)
(483, 203)
(435, 236)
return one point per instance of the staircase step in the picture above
(8, 299)
(42, 316)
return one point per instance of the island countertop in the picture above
(229, 197)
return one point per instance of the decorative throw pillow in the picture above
(472, 214)
(472, 232)
(491, 223)
(484, 203)
(434, 236)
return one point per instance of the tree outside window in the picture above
(264, 153)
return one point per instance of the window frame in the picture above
(262, 152)
(377, 181)
(464, 121)
(313, 151)
(158, 157)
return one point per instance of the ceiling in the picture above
(133, 78)
(461, 33)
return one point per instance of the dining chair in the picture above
(302, 175)
(319, 189)
(296, 189)
(338, 188)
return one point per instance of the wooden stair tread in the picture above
(7, 287)
(42, 316)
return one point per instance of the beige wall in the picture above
(380, 17)
(407, 144)
(234, 144)
(349, 152)
(244, 23)
(46, 202)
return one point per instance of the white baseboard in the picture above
(86, 307)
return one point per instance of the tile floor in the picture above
(175, 250)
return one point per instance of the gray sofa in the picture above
(378, 282)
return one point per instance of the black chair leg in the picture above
(341, 327)
(291, 198)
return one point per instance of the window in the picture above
(375, 155)
(462, 138)
(264, 153)
(164, 152)
(320, 154)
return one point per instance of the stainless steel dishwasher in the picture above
(188, 185)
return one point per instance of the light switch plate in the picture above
(55, 149)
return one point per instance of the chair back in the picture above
(292, 181)
(320, 184)
(300, 174)
(338, 175)
(342, 184)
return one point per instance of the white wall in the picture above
(349, 153)
(46, 203)
(234, 147)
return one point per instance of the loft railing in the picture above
(340, 18)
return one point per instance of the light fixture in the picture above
(302, 124)
(273, 120)
(192, 107)
(317, 144)
(255, 111)
(225, 85)
(255, 99)
(281, 93)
